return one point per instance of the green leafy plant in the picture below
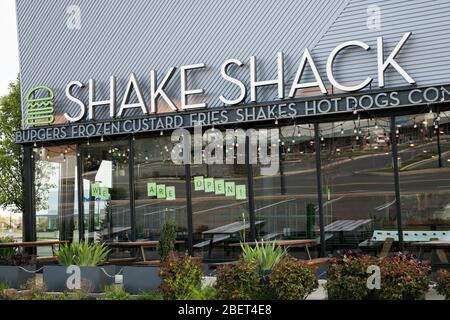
(292, 280)
(239, 282)
(265, 254)
(180, 276)
(347, 277)
(206, 293)
(7, 252)
(115, 292)
(148, 296)
(168, 238)
(403, 278)
(443, 283)
(82, 254)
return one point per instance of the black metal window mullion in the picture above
(319, 188)
(80, 196)
(29, 212)
(132, 189)
(190, 239)
(251, 194)
(396, 183)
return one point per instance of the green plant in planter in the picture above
(82, 254)
(239, 282)
(443, 283)
(347, 277)
(168, 238)
(180, 277)
(7, 252)
(114, 292)
(403, 278)
(266, 255)
(292, 280)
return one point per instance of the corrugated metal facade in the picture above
(118, 37)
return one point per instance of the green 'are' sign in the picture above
(151, 189)
(161, 191)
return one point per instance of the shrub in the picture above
(403, 278)
(114, 292)
(443, 283)
(206, 293)
(17, 260)
(82, 254)
(266, 255)
(35, 290)
(292, 280)
(239, 282)
(7, 252)
(347, 277)
(148, 296)
(168, 239)
(180, 276)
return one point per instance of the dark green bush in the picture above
(292, 280)
(347, 277)
(403, 278)
(168, 239)
(180, 277)
(239, 282)
(443, 283)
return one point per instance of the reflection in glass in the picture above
(160, 189)
(286, 201)
(424, 171)
(358, 183)
(106, 191)
(56, 193)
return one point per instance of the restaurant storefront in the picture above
(356, 133)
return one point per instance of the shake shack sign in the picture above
(82, 123)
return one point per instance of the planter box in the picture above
(137, 280)
(15, 277)
(55, 277)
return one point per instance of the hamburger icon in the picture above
(40, 106)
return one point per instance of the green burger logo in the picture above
(40, 106)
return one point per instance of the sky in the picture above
(9, 52)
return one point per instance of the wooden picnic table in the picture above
(139, 244)
(34, 244)
(437, 246)
(285, 243)
(225, 232)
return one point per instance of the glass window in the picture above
(357, 181)
(56, 193)
(160, 189)
(285, 201)
(106, 191)
(424, 171)
(220, 197)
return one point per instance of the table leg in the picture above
(421, 253)
(210, 247)
(143, 253)
(307, 251)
